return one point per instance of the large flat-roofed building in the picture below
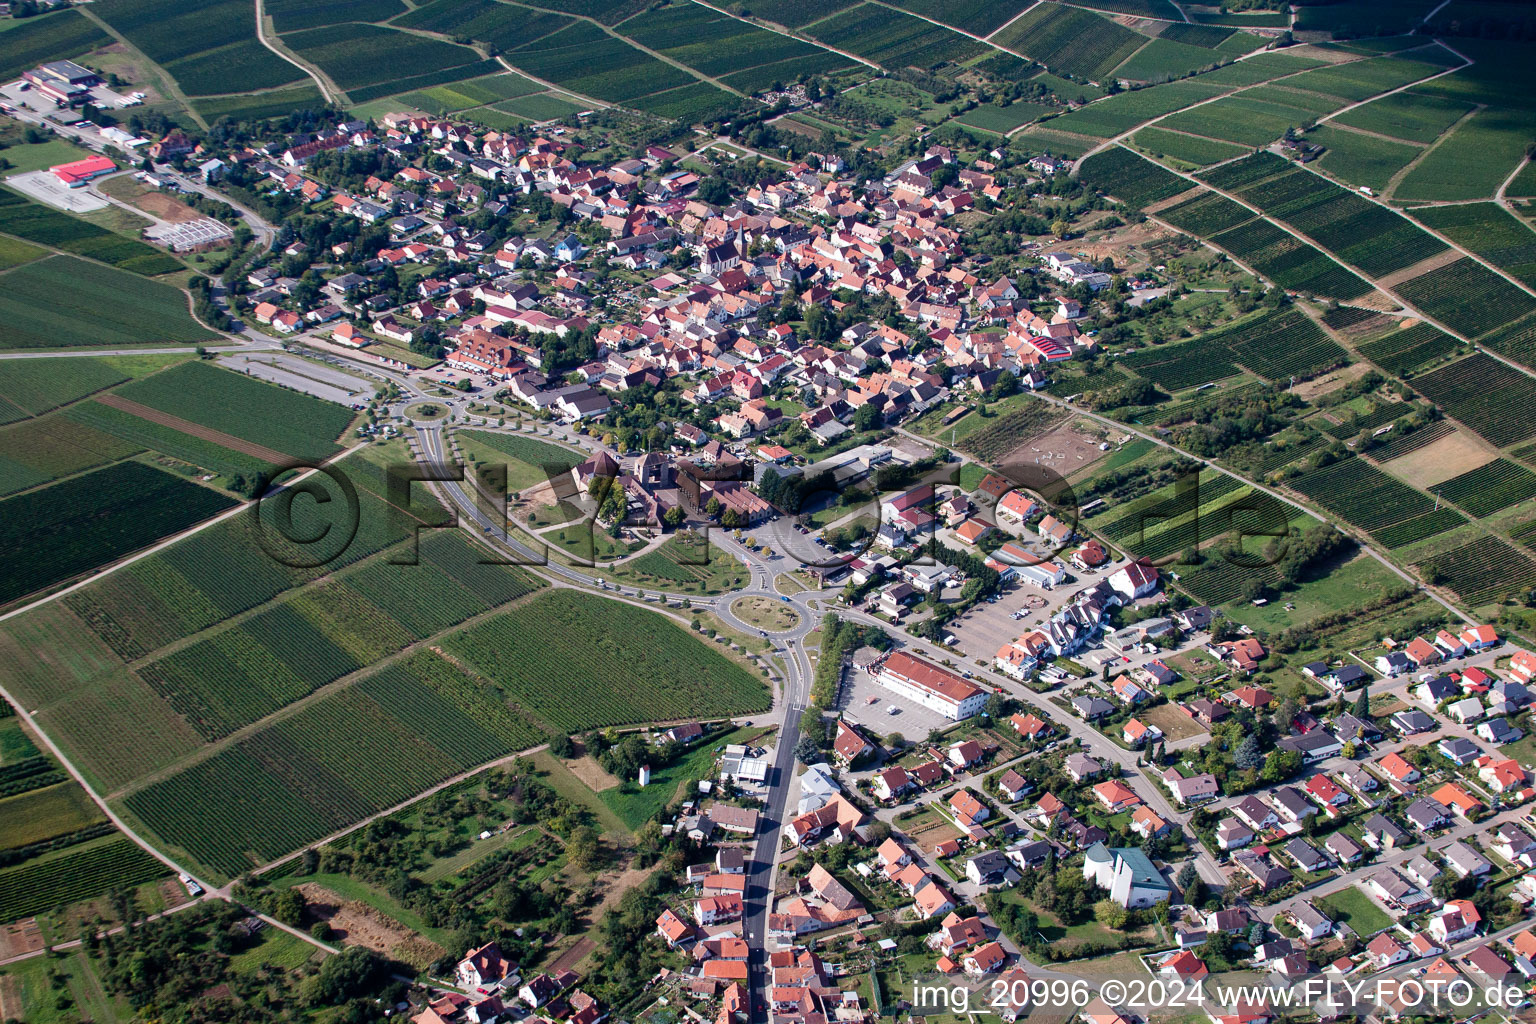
(934, 688)
(78, 172)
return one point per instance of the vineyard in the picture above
(1072, 41)
(1119, 113)
(1491, 398)
(38, 385)
(194, 42)
(354, 752)
(1391, 511)
(354, 55)
(242, 406)
(1400, 443)
(1289, 262)
(80, 874)
(124, 310)
(38, 40)
(1217, 580)
(1206, 214)
(1277, 345)
(583, 58)
(501, 25)
(894, 40)
(1414, 116)
(1175, 367)
(995, 441)
(52, 534)
(1487, 489)
(1131, 178)
(710, 42)
(1186, 149)
(37, 223)
(289, 15)
(1467, 297)
(567, 660)
(1484, 570)
(1409, 348)
(1491, 232)
(53, 447)
(978, 17)
(45, 814)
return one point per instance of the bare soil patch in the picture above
(10, 997)
(929, 835)
(1454, 454)
(1420, 268)
(218, 437)
(173, 893)
(358, 924)
(163, 206)
(1065, 448)
(593, 775)
(1329, 381)
(20, 937)
(1176, 725)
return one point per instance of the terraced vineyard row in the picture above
(1493, 399)
(1487, 489)
(82, 874)
(353, 752)
(1409, 348)
(1391, 511)
(1401, 444)
(1484, 570)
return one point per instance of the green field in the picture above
(1189, 150)
(1497, 136)
(1361, 159)
(1115, 114)
(52, 534)
(110, 308)
(205, 45)
(1490, 231)
(529, 462)
(1354, 908)
(290, 422)
(584, 59)
(894, 40)
(37, 223)
(1409, 115)
(1493, 399)
(1070, 40)
(566, 668)
(46, 813)
(55, 36)
(34, 386)
(277, 103)
(356, 56)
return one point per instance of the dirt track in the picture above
(218, 437)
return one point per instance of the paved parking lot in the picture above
(911, 720)
(320, 381)
(44, 187)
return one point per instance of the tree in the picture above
(288, 907)
(1248, 756)
(674, 516)
(867, 418)
(1005, 385)
(561, 745)
(808, 751)
(1363, 704)
(1111, 914)
(585, 848)
(1187, 874)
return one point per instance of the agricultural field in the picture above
(1239, 119)
(1391, 512)
(56, 36)
(241, 406)
(1278, 345)
(1491, 398)
(446, 99)
(529, 462)
(1163, 58)
(1467, 297)
(41, 450)
(1112, 115)
(1132, 179)
(1175, 367)
(277, 103)
(1359, 232)
(357, 56)
(687, 102)
(75, 874)
(570, 653)
(713, 43)
(1490, 231)
(1486, 569)
(38, 223)
(894, 40)
(52, 534)
(798, 13)
(1205, 214)
(36, 386)
(583, 59)
(1489, 488)
(1498, 136)
(1409, 348)
(203, 45)
(1411, 116)
(989, 117)
(1191, 151)
(1071, 40)
(1289, 262)
(124, 310)
(292, 15)
(978, 17)
(488, 21)
(1361, 159)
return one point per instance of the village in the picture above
(1054, 759)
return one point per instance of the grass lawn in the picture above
(276, 949)
(1354, 908)
(766, 613)
(636, 806)
(480, 848)
(1357, 581)
(565, 782)
(83, 996)
(37, 156)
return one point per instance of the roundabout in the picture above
(766, 613)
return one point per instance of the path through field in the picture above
(218, 437)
